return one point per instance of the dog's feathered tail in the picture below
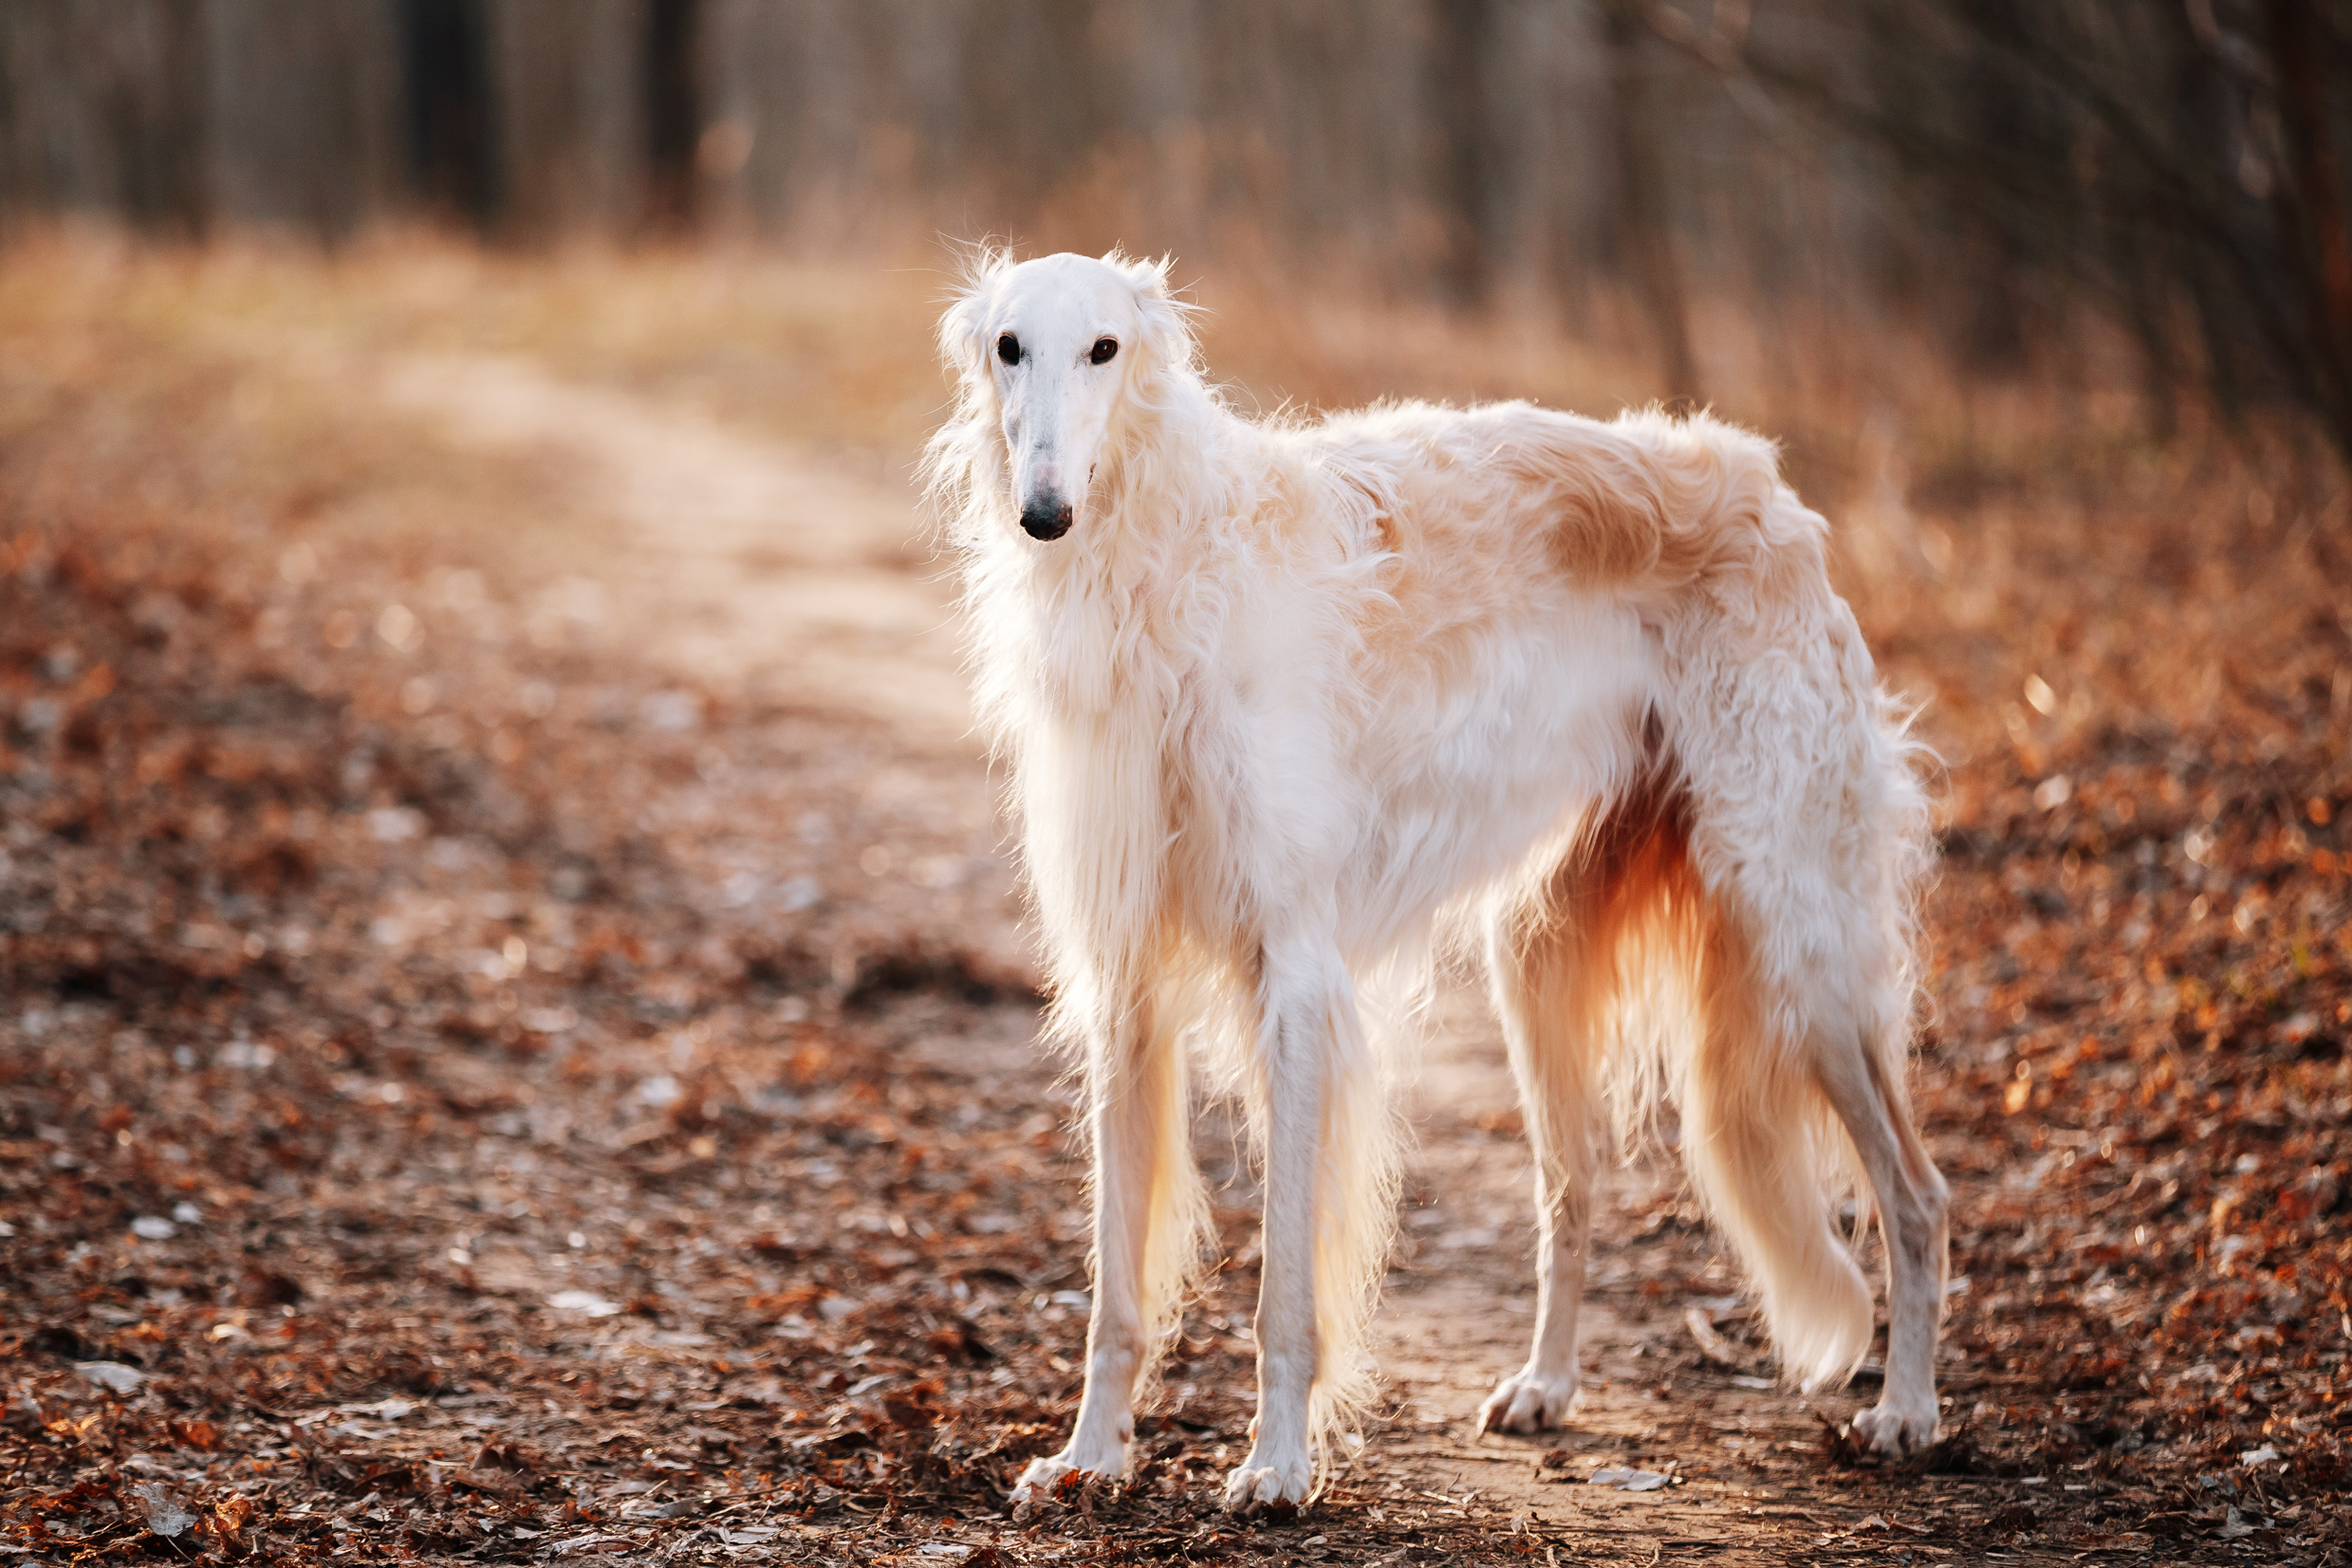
(1636, 963)
(1769, 1162)
(1681, 1015)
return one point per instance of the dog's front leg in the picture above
(1131, 1078)
(1281, 1464)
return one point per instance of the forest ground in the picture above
(518, 1041)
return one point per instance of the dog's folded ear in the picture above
(1168, 342)
(1149, 275)
(959, 327)
(978, 265)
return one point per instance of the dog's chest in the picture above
(1126, 647)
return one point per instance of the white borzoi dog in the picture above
(1278, 697)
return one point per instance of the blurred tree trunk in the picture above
(1646, 247)
(674, 111)
(571, 139)
(304, 118)
(2311, 65)
(165, 184)
(450, 115)
(103, 108)
(1034, 93)
(1468, 160)
(1996, 113)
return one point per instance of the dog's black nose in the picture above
(1047, 517)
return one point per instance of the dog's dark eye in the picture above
(1009, 349)
(1103, 349)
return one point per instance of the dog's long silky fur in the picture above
(1292, 697)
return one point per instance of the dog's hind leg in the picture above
(1858, 1078)
(1552, 987)
(1149, 1209)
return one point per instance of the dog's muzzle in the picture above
(1047, 517)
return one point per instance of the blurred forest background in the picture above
(1994, 173)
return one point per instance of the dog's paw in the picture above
(1525, 1402)
(1045, 1477)
(1269, 1480)
(1894, 1430)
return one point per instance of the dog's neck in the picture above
(1182, 476)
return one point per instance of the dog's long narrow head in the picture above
(1054, 350)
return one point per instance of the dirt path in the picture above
(759, 569)
(741, 562)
